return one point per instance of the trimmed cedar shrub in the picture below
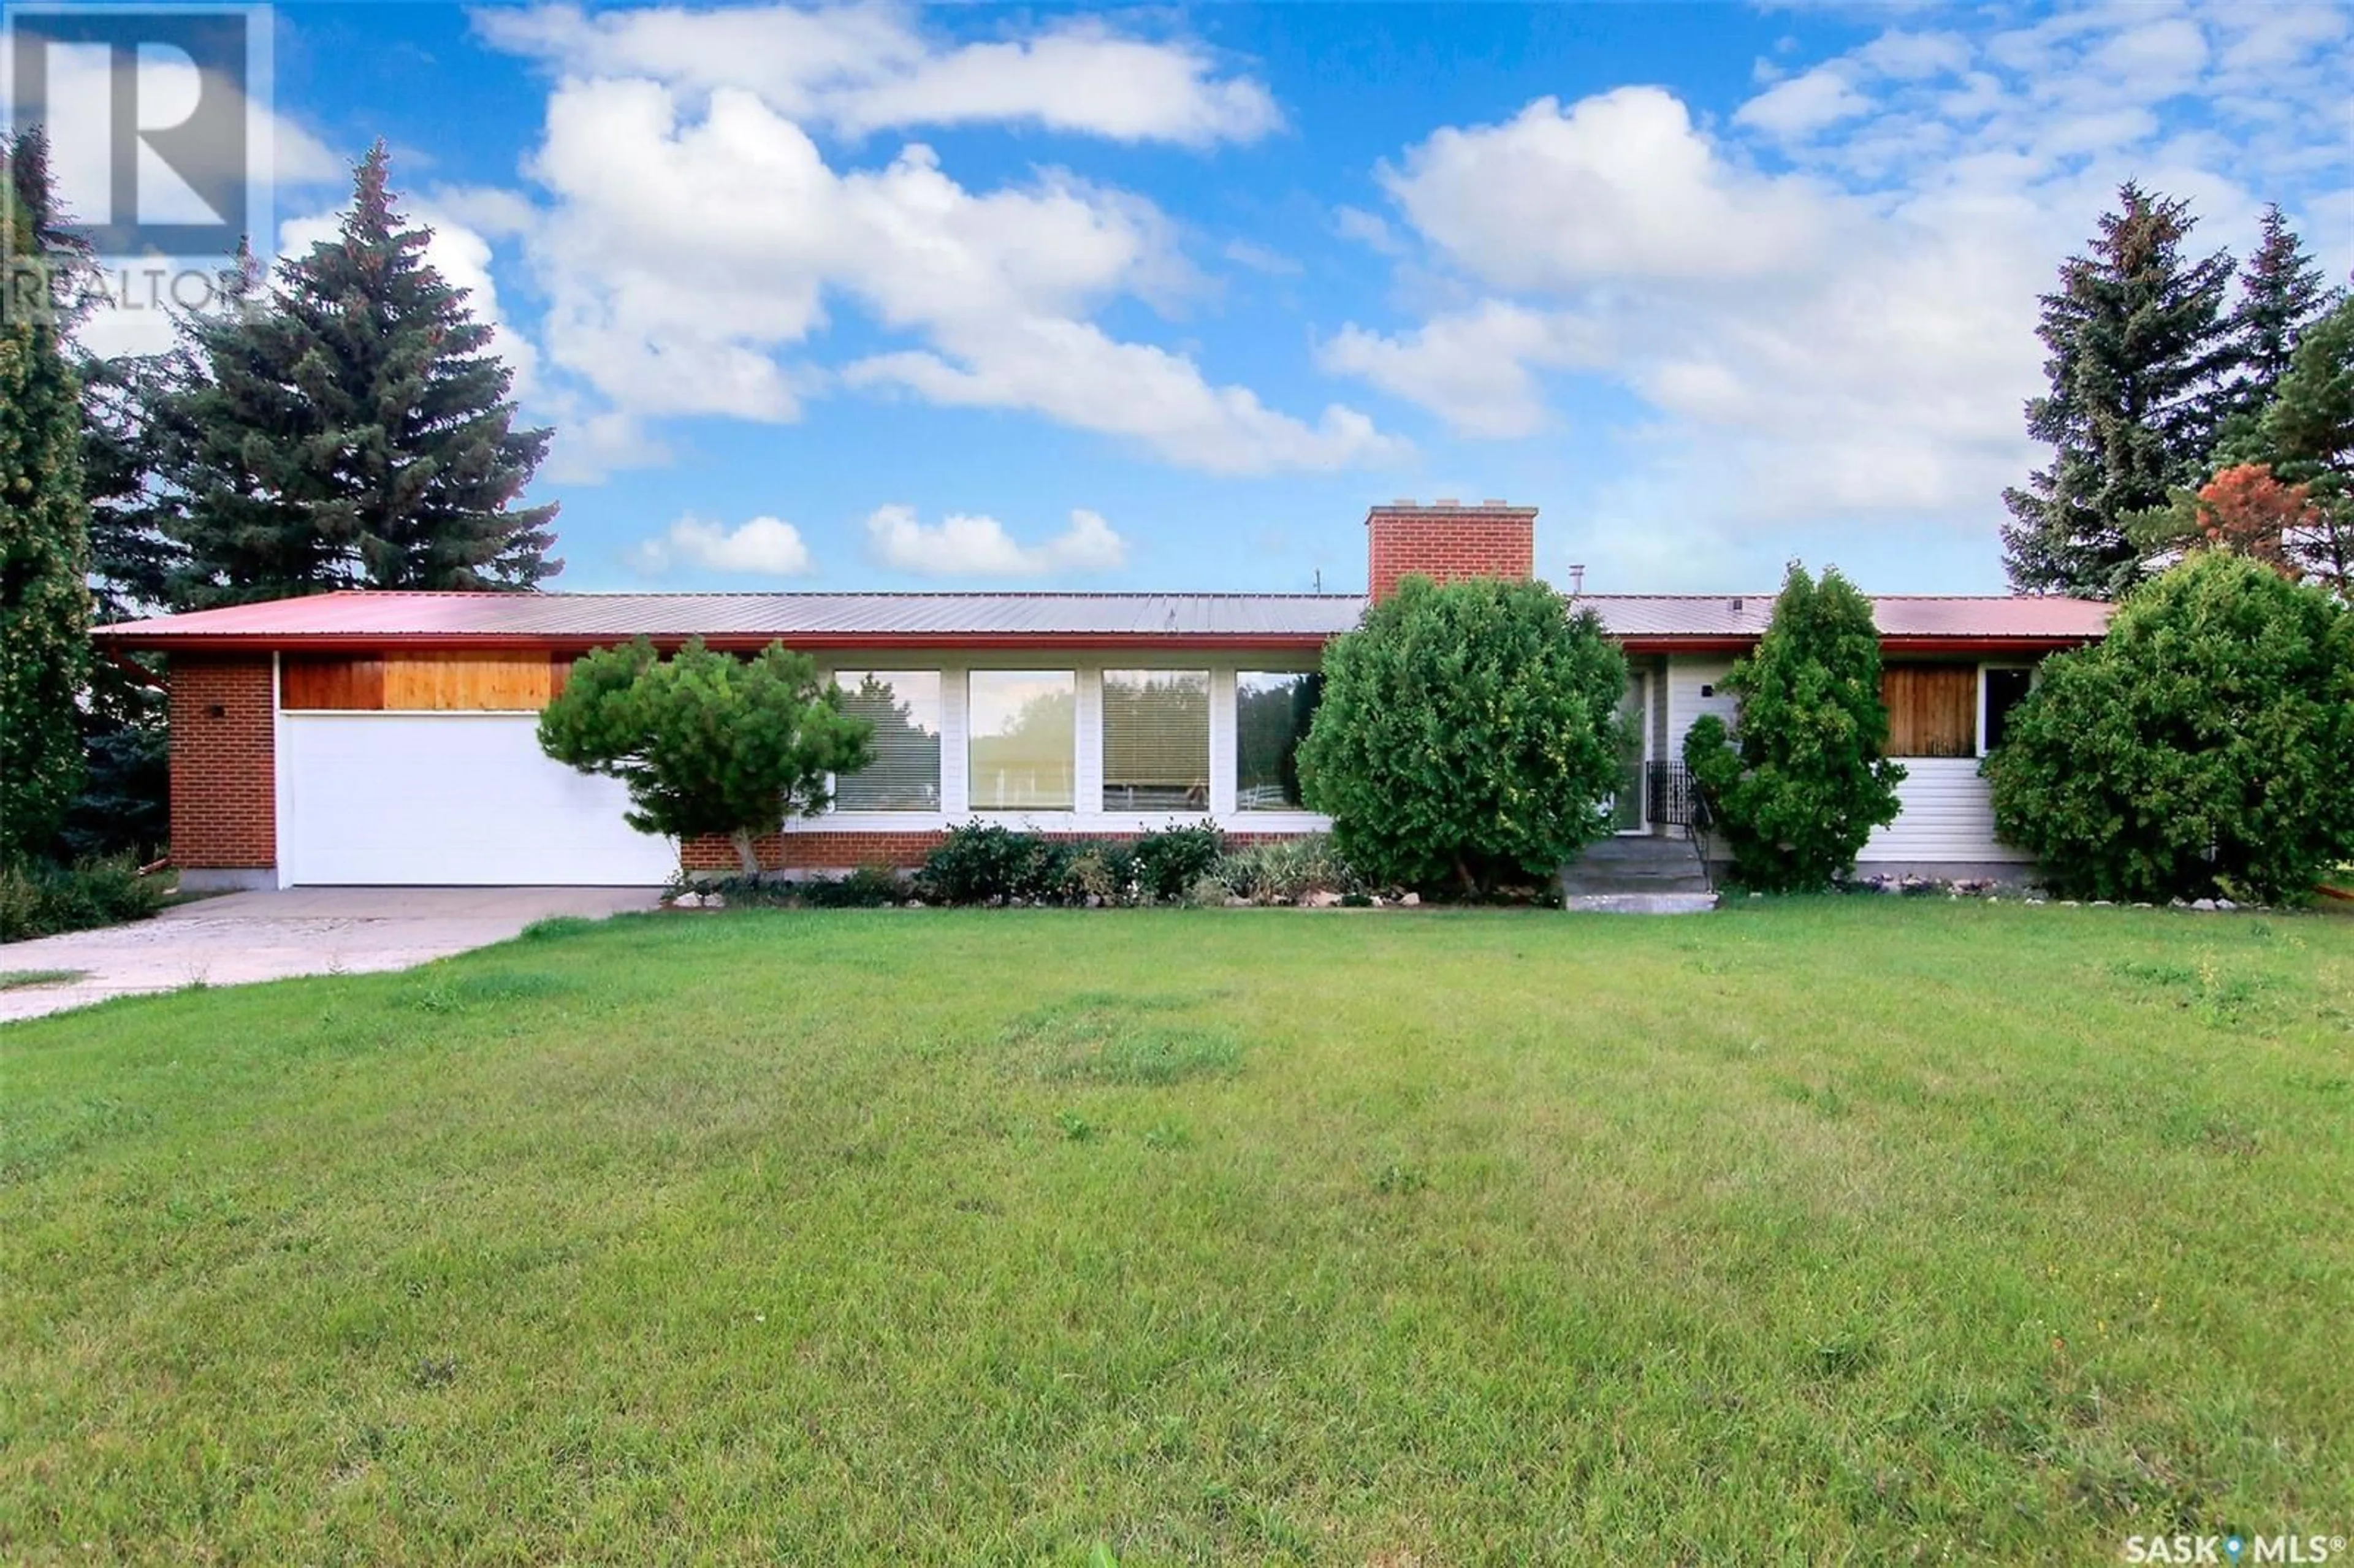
(2205, 747)
(1797, 796)
(1468, 735)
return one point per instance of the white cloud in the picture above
(1802, 105)
(762, 547)
(1074, 373)
(1619, 184)
(864, 68)
(1473, 368)
(690, 260)
(1841, 324)
(964, 545)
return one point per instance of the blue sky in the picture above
(875, 296)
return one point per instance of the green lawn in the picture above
(1811, 1231)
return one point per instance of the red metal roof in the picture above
(357, 619)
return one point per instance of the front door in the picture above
(1634, 711)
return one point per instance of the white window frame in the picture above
(1087, 814)
(833, 780)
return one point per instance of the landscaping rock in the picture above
(1322, 901)
(1411, 900)
(2204, 906)
(687, 901)
(713, 901)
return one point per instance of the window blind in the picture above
(1024, 739)
(1156, 740)
(1272, 712)
(904, 707)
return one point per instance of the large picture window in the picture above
(904, 707)
(1271, 716)
(1025, 728)
(1156, 740)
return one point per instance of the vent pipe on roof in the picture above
(1736, 604)
(1576, 579)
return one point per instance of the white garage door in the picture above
(439, 800)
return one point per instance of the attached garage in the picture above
(448, 799)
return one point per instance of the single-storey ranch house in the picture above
(385, 738)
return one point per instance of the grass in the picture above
(13, 980)
(1854, 1231)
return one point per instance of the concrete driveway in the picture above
(245, 936)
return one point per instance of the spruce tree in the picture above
(2140, 346)
(2281, 291)
(2308, 435)
(44, 554)
(348, 427)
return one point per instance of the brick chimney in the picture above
(1447, 540)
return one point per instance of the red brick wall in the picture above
(848, 851)
(224, 785)
(1446, 542)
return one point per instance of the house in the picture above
(381, 737)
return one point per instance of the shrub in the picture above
(981, 863)
(1467, 733)
(1170, 861)
(868, 887)
(1805, 784)
(41, 900)
(2201, 747)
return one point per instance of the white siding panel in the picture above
(1948, 815)
(1687, 673)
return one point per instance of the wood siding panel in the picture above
(1948, 816)
(334, 682)
(468, 681)
(1932, 709)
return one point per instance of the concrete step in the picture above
(1637, 866)
(1599, 883)
(1639, 902)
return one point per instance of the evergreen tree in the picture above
(706, 742)
(1469, 733)
(348, 427)
(1798, 793)
(43, 556)
(2140, 345)
(2281, 291)
(2306, 434)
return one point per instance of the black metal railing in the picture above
(1667, 798)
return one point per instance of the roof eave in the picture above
(130, 637)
